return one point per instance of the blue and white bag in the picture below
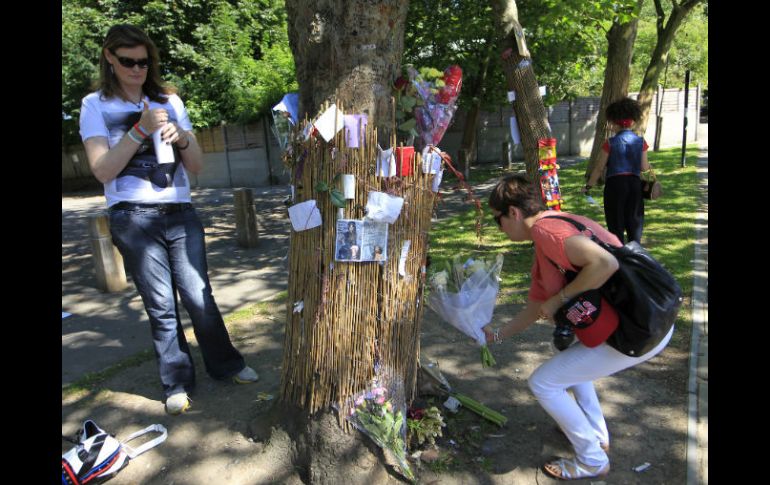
(98, 455)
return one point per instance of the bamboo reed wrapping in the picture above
(354, 313)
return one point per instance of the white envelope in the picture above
(305, 215)
(382, 207)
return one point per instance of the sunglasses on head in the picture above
(129, 63)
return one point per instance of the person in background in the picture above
(520, 213)
(152, 222)
(625, 156)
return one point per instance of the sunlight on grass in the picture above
(669, 226)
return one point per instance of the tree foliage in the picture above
(229, 59)
(688, 51)
(565, 38)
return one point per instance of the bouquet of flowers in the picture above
(436, 112)
(425, 101)
(464, 295)
(380, 413)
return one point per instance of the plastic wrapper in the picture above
(380, 413)
(435, 113)
(464, 295)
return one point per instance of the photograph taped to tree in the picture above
(361, 240)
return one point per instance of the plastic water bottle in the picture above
(164, 152)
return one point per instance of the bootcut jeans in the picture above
(165, 253)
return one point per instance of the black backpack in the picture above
(645, 295)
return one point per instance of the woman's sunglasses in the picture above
(129, 63)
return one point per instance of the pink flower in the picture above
(380, 399)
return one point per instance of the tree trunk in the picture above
(470, 131)
(617, 74)
(355, 316)
(347, 50)
(520, 77)
(660, 54)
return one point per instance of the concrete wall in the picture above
(249, 156)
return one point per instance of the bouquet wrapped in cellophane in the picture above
(464, 295)
(380, 413)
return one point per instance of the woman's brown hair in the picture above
(516, 191)
(125, 35)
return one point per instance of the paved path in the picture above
(107, 327)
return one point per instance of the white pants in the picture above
(581, 418)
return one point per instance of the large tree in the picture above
(617, 71)
(355, 319)
(666, 32)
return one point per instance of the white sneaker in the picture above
(247, 375)
(177, 403)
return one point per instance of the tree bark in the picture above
(617, 74)
(520, 77)
(470, 130)
(657, 63)
(348, 51)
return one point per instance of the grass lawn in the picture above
(669, 226)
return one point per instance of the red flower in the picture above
(400, 83)
(415, 413)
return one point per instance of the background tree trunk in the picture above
(520, 77)
(659, 56)
(470, 130)
(617, 74)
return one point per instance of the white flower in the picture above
(440, 279)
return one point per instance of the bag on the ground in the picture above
(644, 294)
(98, 455)
(651, 188)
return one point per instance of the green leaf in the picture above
(408, 125)
(321, 187)
(338, 198)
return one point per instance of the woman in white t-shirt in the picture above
(152, 222)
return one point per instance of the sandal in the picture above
(566, 469)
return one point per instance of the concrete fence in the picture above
(249, 155)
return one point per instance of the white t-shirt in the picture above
(112, 118)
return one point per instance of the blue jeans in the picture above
(166, 254)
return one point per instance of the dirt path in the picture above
(645, 409)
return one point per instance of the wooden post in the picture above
(110, 273)
(246, 226)
(507, 155)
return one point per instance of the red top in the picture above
(549, 235)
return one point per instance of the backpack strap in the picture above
(582, 228)
(134, 452)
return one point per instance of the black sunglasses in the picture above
(129, 63)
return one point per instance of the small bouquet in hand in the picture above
(380, 413)
(464, 295)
